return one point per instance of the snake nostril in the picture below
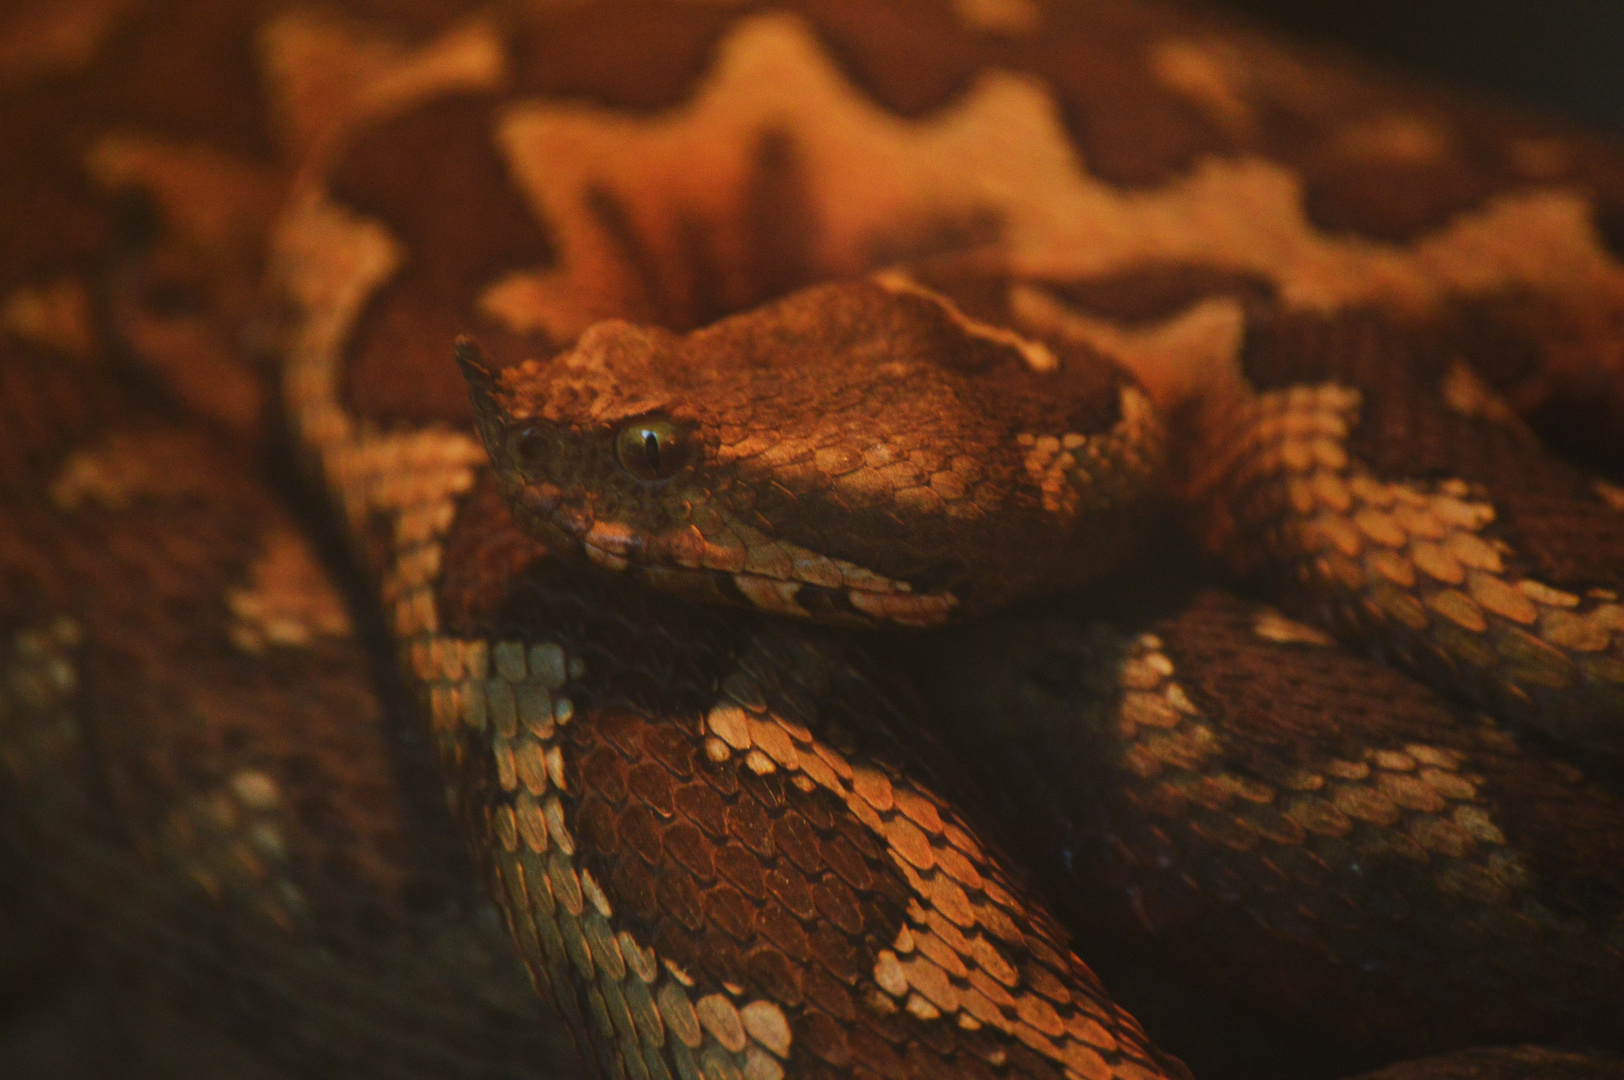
(529, 448)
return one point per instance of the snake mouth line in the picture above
(870, 600)
(845, 606)
(685, 563)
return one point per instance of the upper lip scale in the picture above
(541, 500)
(624, 543)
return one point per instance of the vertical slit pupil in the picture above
(651, 450)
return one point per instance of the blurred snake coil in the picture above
(992, 538)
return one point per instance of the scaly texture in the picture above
(722, 843)
(1394, 496)
(1307, 825)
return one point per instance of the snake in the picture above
(998, 539)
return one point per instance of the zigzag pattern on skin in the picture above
(410, 479)
(286, 846)
(199, 778)
(1201, 744)
(500, 700)
(505, 716)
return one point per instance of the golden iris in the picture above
(652, 449)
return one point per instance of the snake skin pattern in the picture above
(723, 843)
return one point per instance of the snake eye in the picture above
(530, 447)
(652, 449)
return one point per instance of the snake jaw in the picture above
(840, 606)
(804, 584)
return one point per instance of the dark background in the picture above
(1562, 55)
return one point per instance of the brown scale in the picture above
(1299, 825)
(1413, 510)
(1136, 123)
(397, 371)
(839, 367)
(1152, 292)
(747, 878)
(224, 814)
(1557, 362)
(201, 787)
(673, 306)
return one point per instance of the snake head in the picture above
(855, 452)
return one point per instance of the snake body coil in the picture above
(1048, 336)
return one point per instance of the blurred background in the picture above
(1563, 55)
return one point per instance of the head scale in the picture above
(850, 453)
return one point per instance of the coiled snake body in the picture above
(1028, 327)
